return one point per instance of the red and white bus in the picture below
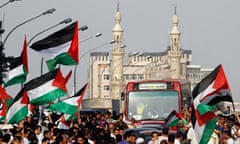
(153, 100)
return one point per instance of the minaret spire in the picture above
(175, 52)
(118, 4)
(175, 9)
(117, 64)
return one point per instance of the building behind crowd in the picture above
(109, 72)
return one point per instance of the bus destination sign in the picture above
(152, 86)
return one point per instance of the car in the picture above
(145, 132)
(157, 126)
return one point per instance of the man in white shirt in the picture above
(155, 138)
(164, 135)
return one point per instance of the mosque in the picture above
(109, 72)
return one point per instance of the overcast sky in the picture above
(209, 28)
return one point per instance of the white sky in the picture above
(209, 28)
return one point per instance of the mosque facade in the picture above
(109, 72)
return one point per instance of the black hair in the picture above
(165, 130)
(118, 137)
(128, 134)
(171, 138)
(121, 114)
(6, 137)
(163, 142)
(45, 139)
(179, 134)
(154, 132)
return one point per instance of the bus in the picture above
(153, 100)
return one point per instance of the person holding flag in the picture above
(207, 95)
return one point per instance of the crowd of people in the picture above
(109, 128)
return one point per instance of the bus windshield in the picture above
(151, 105)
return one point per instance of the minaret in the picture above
(117, 63)
(175, 52)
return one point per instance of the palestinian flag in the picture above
(212, 90)
(30, 109)
(62, 122)
(60, 47)
(18, 68)
(70, 105)
(173, 119)
(19, 108)
(205, 131)
(46, 88)
(5, 101)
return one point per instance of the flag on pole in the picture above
(70, 105)
(60, 47)
(173, 119)
(18, 68)
(62, 122)
(18, 110)
(207, 94)
(5, 100)
(204, 132)
(46, 88)
(212, 90)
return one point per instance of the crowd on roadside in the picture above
(227, 130)
(108, 128)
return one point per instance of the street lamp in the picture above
(106, 43)
(3, 59)
(10, 1)
(90, 37)
(83, 28)
(65, 21)
(50, 11)
(75, 68)
(123, 46)
(82, 56)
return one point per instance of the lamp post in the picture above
(83, 28)
(50, 11)
(3, 59)
(75, 68)
(106, 43)
(90, 37)
(82, 56)
(6, 3)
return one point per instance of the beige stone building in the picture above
(195, 74)
(110, 71)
